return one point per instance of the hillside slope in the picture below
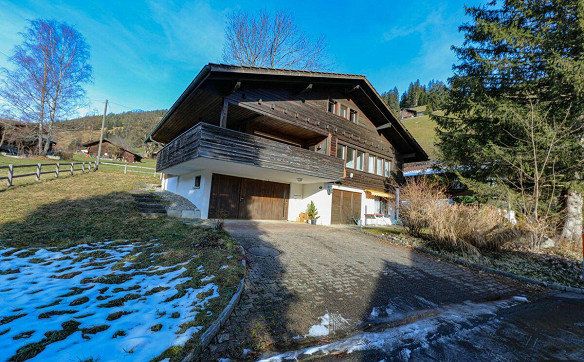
(423, 129)
(130, 128)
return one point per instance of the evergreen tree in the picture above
(416, 95)
(391, 98)
(520, 77)
(437, 94)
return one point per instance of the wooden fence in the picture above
(45, 169)
(131, 168)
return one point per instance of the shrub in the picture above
(311, 211)
(64, 154)
(426, 212)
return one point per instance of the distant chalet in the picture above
(111, 150)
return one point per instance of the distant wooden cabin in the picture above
(111, 150)
(21, 138)
(413, 112)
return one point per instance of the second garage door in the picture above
(243, 198)
(346, 207)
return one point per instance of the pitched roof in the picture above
(406, 144)
(91, 143)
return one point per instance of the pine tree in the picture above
(520, 76)
(391, 98)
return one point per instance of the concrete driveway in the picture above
(311, 285)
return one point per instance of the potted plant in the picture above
(312, 213)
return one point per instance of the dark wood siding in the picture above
(364, 180)
(224, 202)
(109, 149)
(205, 140)
(346, 207)
(282, 105)
(263, 200)
(242, 198)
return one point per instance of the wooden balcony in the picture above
(211, 142)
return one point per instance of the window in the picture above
(350, 160)
(343, 111)
(331, 106)
(197, 184)
(371, 165)
(341, 151)
(354, 117)
(382, 206)
(379, 169)
(360, 161)
(386, 168)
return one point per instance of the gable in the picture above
(203, 100)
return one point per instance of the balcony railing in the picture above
(209, 141)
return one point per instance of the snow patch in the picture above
(322, 329)
(77, 283)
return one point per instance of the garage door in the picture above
(243, 198)
(346, 207)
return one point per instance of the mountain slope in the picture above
(423, 129)
(128, 128)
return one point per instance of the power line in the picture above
(121, 105)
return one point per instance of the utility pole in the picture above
(101, 134)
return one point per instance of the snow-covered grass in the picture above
(83, 275)
(106, 301)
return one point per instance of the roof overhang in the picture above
(230, 77)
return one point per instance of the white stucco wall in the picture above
(184, 185)
(300, 197)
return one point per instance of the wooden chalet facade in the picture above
(258, 143)
(111, 150)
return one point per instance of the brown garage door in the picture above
(346, 207)
(243, 198)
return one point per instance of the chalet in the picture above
(112, 150)
(257, 143)
(419, 111)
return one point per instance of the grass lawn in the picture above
(423, 129)
(87, 277)
(6, 160)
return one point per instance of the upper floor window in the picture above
(332, 105)
(353, 116)
(360, 161)
(386, 168)
(350, 160)
(341, 150)
(343, 111)
(371, 164)
(379, 168)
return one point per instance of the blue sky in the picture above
(144, 53)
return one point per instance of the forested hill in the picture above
(128, 128)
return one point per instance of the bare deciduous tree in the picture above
(272, 41)
(50, 67)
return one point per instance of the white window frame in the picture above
(386, 168)
(357, 158)
(343, 109)
(379, 166)
(350, 163)
(371, 162)
(354, 113)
